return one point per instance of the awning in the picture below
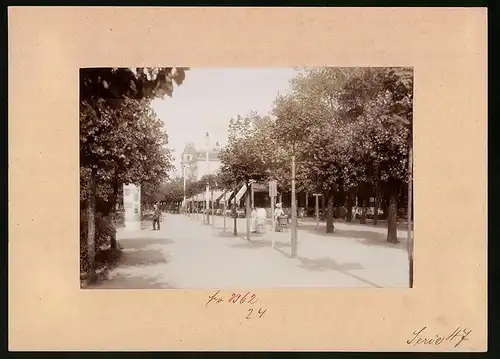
(257, 187)
(231, 196)
(228, 194)
(241, 192)
(260, 187)
(217, 194)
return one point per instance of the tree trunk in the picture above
(385, 207)
(91, 231)
(392, 222)
(114, 197)
(323, 207)
(362, 219)
(330, 228)
(349, 208)
(235, 214)
(377, 206)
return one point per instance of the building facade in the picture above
(194, 162)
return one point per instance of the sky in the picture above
(209, 98)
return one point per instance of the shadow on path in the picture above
(278, 249)
(229, 234)
(325, 264)
(142, 257)
(260, 243)
(382, 242)
(366, 237)
(140, 243)
(122, 281)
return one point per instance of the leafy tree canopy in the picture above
(136, 83)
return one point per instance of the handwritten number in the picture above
(261, 313)
(250, 310)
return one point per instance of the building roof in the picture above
(190, 148)
(200, 155)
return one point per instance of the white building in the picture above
(194, 162)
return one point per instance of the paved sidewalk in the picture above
(361, 250)
(187, 253)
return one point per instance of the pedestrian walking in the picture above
(156, 217)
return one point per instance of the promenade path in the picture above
(189, 254)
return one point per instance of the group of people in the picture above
(259, 215)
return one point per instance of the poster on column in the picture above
(132, 206)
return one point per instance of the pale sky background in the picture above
(209, 98)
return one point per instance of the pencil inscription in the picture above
(457, 337)
(242, 298)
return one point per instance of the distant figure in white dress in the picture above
(261, 220)
(253, 215)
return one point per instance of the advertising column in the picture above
(132, 206)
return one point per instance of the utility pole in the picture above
(272, 194)
(409, 221)
(294, 212)
(247, 207)
(252, 195)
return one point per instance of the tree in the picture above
(354, 126)
(295, 121)
(225, 181)
(247, 156)
(111, 105)
(174, 192)
(381, 102)
(129, 83)
(193, 188)
(208, 180)
(302, 117)
(330, 162)
(151, 193)
(121, 145)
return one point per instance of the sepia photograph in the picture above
(252, 187)
(203, 178)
